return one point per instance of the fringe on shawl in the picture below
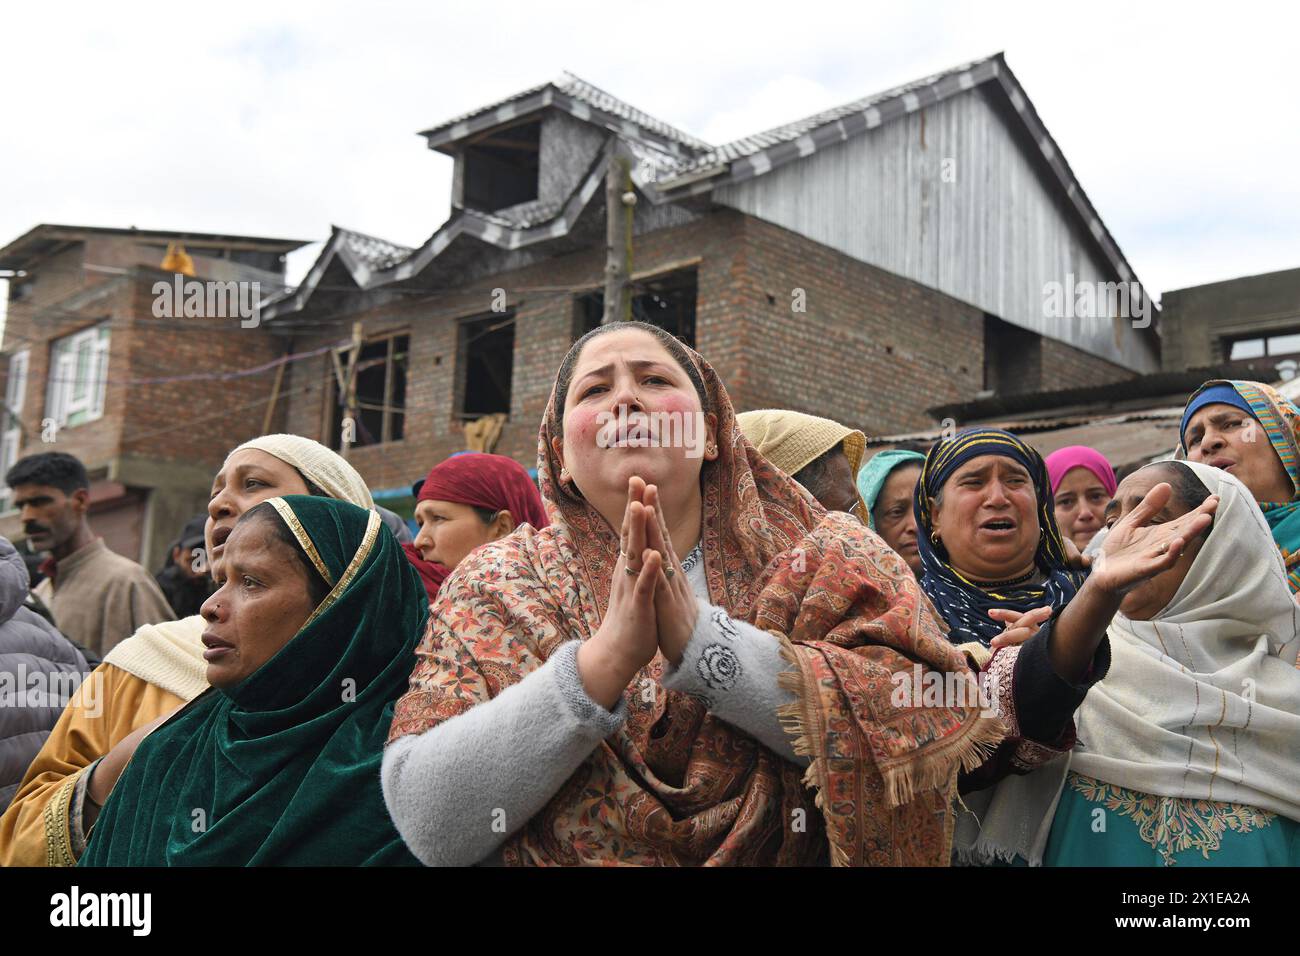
(939, 772)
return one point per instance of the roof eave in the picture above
(462, 223)
(448, 137)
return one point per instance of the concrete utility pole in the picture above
(619, 202)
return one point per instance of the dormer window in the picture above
(501, 167)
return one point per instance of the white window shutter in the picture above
(99, 369)
(16, 389)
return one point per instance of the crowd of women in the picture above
(674, 659)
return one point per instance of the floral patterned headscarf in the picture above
(677, 785)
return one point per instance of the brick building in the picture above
(92, 371)
(866, 264)
(1242, 328)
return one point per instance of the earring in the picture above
(934, 538)
(564, 476)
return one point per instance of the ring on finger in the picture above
(669, 572)
(633, 572)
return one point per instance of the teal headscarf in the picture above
(875, 472)
(283, 768)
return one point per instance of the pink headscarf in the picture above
(1061, 461)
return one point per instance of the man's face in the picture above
(185, 559)
(49, 516)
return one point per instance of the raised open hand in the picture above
(1136, 549)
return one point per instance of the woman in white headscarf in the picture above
(146, 677)
(1188, 751)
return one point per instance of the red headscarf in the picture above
(483, 481)
(486, 481)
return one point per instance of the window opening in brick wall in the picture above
(485, 356)
(1258, 345)
(1013, 358)
(501, 168)
(78, 376)
(381, 371)
(667, 301)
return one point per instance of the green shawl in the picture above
(283, 768)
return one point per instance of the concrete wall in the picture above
(1195, 320)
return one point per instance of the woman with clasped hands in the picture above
(658, 676)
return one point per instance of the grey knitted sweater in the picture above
(457, 791)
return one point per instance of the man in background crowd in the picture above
(98, 598)
(184, 579)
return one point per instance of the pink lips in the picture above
(215, 647)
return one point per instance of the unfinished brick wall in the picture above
(64, 300)
(193, 421)
(872, 349)
(1067, 367)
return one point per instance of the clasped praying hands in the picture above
(651, 605)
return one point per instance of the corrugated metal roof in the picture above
(789, 132)
(376, 253)
(582, 91)
(1135, 436)
(522, 216)
(1124, 439)
(1113, 398)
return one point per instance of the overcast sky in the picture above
(1181, 121)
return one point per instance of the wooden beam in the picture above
(275, 395)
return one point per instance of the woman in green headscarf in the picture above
(309, 642)
(887, 484)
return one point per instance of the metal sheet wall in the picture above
(993, 236)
